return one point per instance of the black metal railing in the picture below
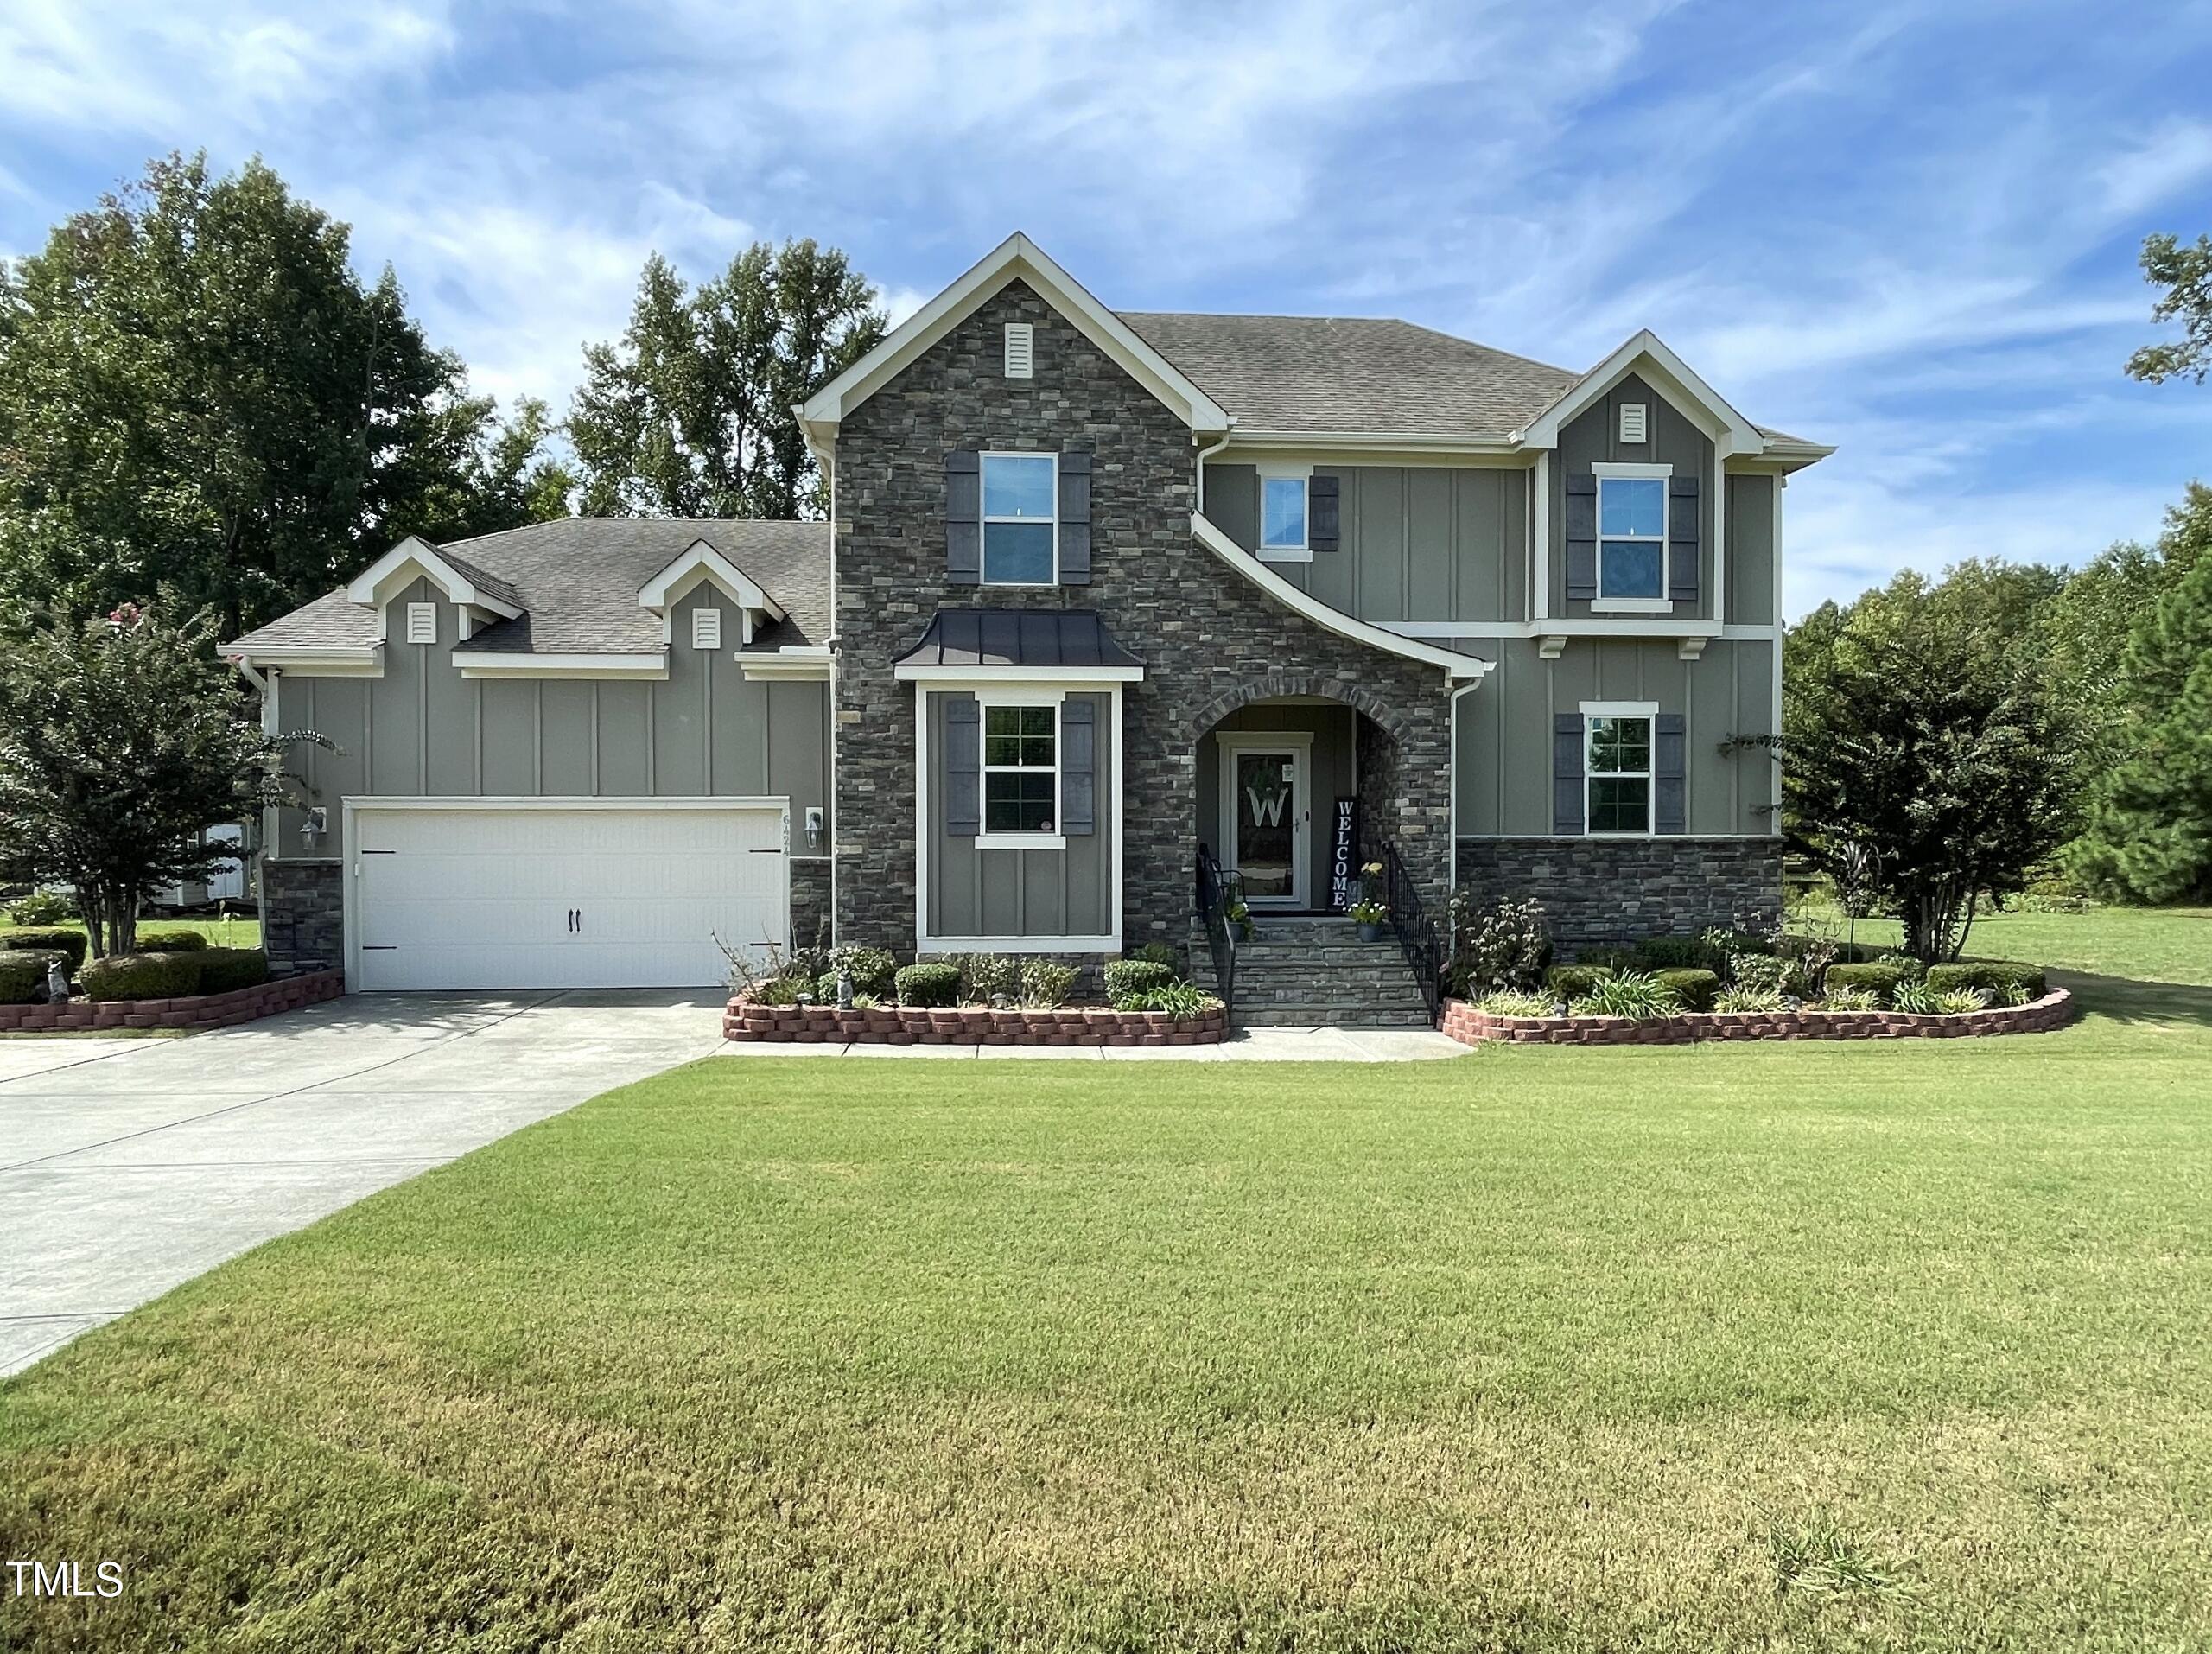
(1217, 894)
(1416, 931)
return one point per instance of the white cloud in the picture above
(2175, 158)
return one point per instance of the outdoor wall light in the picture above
(315, 828)
(814, 827)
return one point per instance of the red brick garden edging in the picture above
(1471, 1027)
(966, 1025)
(197, 1011)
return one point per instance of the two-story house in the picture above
(1099, 589)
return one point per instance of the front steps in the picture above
(1315, 972)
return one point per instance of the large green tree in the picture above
(2185, 272)
(689, 414)
(1912, 732)
(197, 394)
(121, 740)
(2149, 836)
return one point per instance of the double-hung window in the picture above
(1632, 533)
(1020, 520)
(1617, 772)
(1021, 773)
(1282, 515)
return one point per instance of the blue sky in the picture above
(1910, 231)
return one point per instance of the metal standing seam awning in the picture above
(1061, 642)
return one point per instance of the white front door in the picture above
(1264, 817)
(453, 894)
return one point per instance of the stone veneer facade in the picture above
(809, 900)
(1211, 640)
(302, 915)
(1600, 891)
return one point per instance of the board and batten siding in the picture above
(1417, 542)
(424, 730)
(1504, 737)
(1750, 534)
(1592, 438)
(1034, 895)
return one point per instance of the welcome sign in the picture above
(1343, 856)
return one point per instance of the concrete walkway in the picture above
(129, 1166)
(1246, 1044)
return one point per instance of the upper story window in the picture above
(1283, 513)
(1021, 774)
(1632, 532)
(1020, 529)
(1617, 772)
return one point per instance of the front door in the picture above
(1265, 803)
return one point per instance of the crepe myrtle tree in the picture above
(1921, 762)
(122, 740)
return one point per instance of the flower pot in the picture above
(1370, 933)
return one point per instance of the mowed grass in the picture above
(1791, 1346)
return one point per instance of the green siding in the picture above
(1751, 550)
(1593, 438)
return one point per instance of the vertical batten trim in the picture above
(1774, 818)
(594, 741)
(538, 741)
(706, 730)
(1540, 541)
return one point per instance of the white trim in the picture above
(349, 855)
(1497, 450)
(1774, 816)
(1023, 841)
(1629, 605)
(1497, 631)
(552, 666)
(1274, 471)
(1606, 471)
(1631, 469)
(786, 665)
(1324, 615)
(416, 550)
(1648, 711)
(1016, 695)
(1068, 678)
(1299, 746)
(1017, 257)
(984, 519)
(1731, 431)
(937, 945)
(704, 557)
(328, 660)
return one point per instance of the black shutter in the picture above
(1668, 765)
(1567, 772)
(1581, 540)
(1075, 519)
(1681, 539)
(1323, 515)
(963, 766)
(1079, 766)
(963, 518)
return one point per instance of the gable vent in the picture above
(1633, 424)
(706, 628)
(421, 623)
(1019, 345)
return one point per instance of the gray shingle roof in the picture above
(1329, 374)
(576, 578)
(1011, 637)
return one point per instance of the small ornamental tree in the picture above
(120, 742)
(1921, 760)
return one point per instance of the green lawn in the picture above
(2156, 944)
(219, 932)
(1787, 1346)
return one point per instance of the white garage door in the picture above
(566, 896)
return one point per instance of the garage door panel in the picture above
(481, 898)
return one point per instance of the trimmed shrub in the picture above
(1047, 983)
(142, 975)
(873, 970)
(1991, 976)
(23, 977)
(1664, 953)
(1632, 995)
(1125, 977)
(65, 939)
(39, 907)
(1572, 982)
(1877, 979)
(1180, 1000)
(932, 984)
(222, 969)
(1693, 987)
(173, 942)
(1159, 953)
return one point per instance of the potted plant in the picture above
(1369, 911)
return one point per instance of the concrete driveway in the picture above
(129, 1166)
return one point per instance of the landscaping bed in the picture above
(189, 1012)
(1469, 1024)
(968, 999)
(175, 981)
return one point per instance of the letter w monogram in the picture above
(1266, 812)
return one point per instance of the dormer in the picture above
(482, 599)
(702, 562)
